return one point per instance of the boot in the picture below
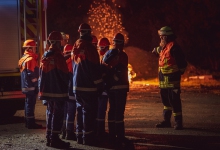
(112, 135)
(70, 135)
(178, 122)
(58, 143)
(163, 124)
(32, 125)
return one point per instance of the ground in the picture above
(200, 100)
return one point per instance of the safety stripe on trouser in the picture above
(55, 131)
(70, 122)
(169, 69)
(84, 89)
(120, 87)
(28, 117)
(167, 108)
(177, 114)
(48, 130)
(100, 119)
(79, 133)
(88, 132)
(111, 121)
(28, 89)
(72, 97)
(119, 121)
(54, 94)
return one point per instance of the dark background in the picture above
(195, 22)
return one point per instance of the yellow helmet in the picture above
(165, 31)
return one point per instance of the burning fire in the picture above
(105, 21)
(131, 73)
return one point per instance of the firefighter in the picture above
(172, 65)
(117, 61)
(103, 46)
(29, 74)
(87, 84)
(53, 87)
(71, 103)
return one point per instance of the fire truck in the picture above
(20, 20)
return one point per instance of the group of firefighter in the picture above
(81, 80)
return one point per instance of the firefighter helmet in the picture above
(94, 39)
(118, 38)
(103, 42)
(165, 31)
(84, 27)
(67, 48)
(29, 43)
(55, 36)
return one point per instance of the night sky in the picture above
(195, 22)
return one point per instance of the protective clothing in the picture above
(87, 83)
(172, 65)
(165, 31)
(116, 61)
(55, 36)
(65, 36)
(29, 74)
(29, 43)
(54, 79)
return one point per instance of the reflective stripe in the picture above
(120, 87)
(98, 81)
(54, 94)
(56, 131)
(10, 74)
(28, 89)
(34, 80)
(104, 93)
(88, 132)
(70, 122)
(177, 114)
(167, 108)
(168, 84)
(111, 120)
(72, 97)
(119, 121)
(67, 54)
(29, 117)
(79, 133)
(169, 69)
(84, 89)
(48, 130)
(100, 119)
(115, 77)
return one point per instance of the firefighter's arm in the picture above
(31, 64)
(179, 56)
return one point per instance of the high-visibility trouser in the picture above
(54, 118)
(86, 106)
(117, 102)
(102, 107)
(172, 103)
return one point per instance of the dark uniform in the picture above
(53, 86)
(29, 74)
(87, 80)
(117, 61)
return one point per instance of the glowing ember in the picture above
(105, 21)
(131, 73)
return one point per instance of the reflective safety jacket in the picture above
(117, 75)
(172, 65)
(29, 73)
(87, 75)
(54, 78)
